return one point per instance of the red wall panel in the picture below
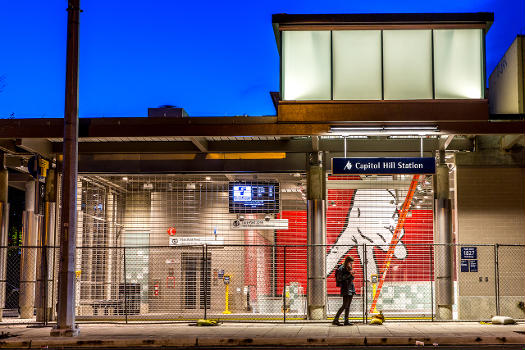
(416, 266)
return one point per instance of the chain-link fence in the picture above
(510, 280)
(257, 282)
(30, 284)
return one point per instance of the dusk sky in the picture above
(212, 58)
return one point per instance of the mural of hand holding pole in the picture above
(375, 220)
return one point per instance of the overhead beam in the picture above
(200, 143)
(38, 146)
(8, 146)
(245, 126)
(16, 176)
(15, 162)
(136, 164)
(383, 111)
(508, 141)
(131, 147)
(132, 164)
(492, 157)
(301, 145)
(18, 179)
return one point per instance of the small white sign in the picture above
(259, 224)
(178, 241)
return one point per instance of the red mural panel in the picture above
(295, 256)
(413, 261)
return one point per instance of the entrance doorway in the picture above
(196, 277)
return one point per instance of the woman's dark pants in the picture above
(347, 299)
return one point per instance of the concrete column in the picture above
(43, 300)
(443, 252)
(316, 237)
(28, 257)
(4, 219)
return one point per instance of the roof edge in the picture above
(383, 18)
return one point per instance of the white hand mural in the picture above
(372, 220)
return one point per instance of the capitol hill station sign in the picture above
(390, 165)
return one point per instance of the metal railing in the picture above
(261, 283)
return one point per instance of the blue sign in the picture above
(391, 165)
(469, 252)
(464, 265)
(473, 265)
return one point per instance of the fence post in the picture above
(284, 285)
(125, 288)
(53, 282)
(205, 257)
(432, 280)
(274, 272)
(496, 277)
(365, 284)
(44, 271)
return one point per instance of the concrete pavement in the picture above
(228, 335)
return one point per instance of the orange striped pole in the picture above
(395, 238)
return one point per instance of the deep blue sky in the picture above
(213, 58)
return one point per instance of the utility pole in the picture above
(4, 227)
(66, 276)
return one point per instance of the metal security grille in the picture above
(393, 263)
(162, 223)
(141, 241)
(174, 248)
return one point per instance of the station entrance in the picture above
(185, 244)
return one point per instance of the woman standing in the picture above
(345, 281)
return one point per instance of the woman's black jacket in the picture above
(346, 281)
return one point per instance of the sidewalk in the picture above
(275, 335)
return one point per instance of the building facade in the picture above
(247, 217)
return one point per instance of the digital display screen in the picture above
(242, 193)
(254, 197)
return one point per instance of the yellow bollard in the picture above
(373, 278)
(226, 280)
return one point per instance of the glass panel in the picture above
(306, 65)
(407, 62)
(458, 63)
(357, 64)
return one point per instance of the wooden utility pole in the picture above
(66, 276)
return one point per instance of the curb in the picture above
(260, 341)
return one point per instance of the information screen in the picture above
(254, 197)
